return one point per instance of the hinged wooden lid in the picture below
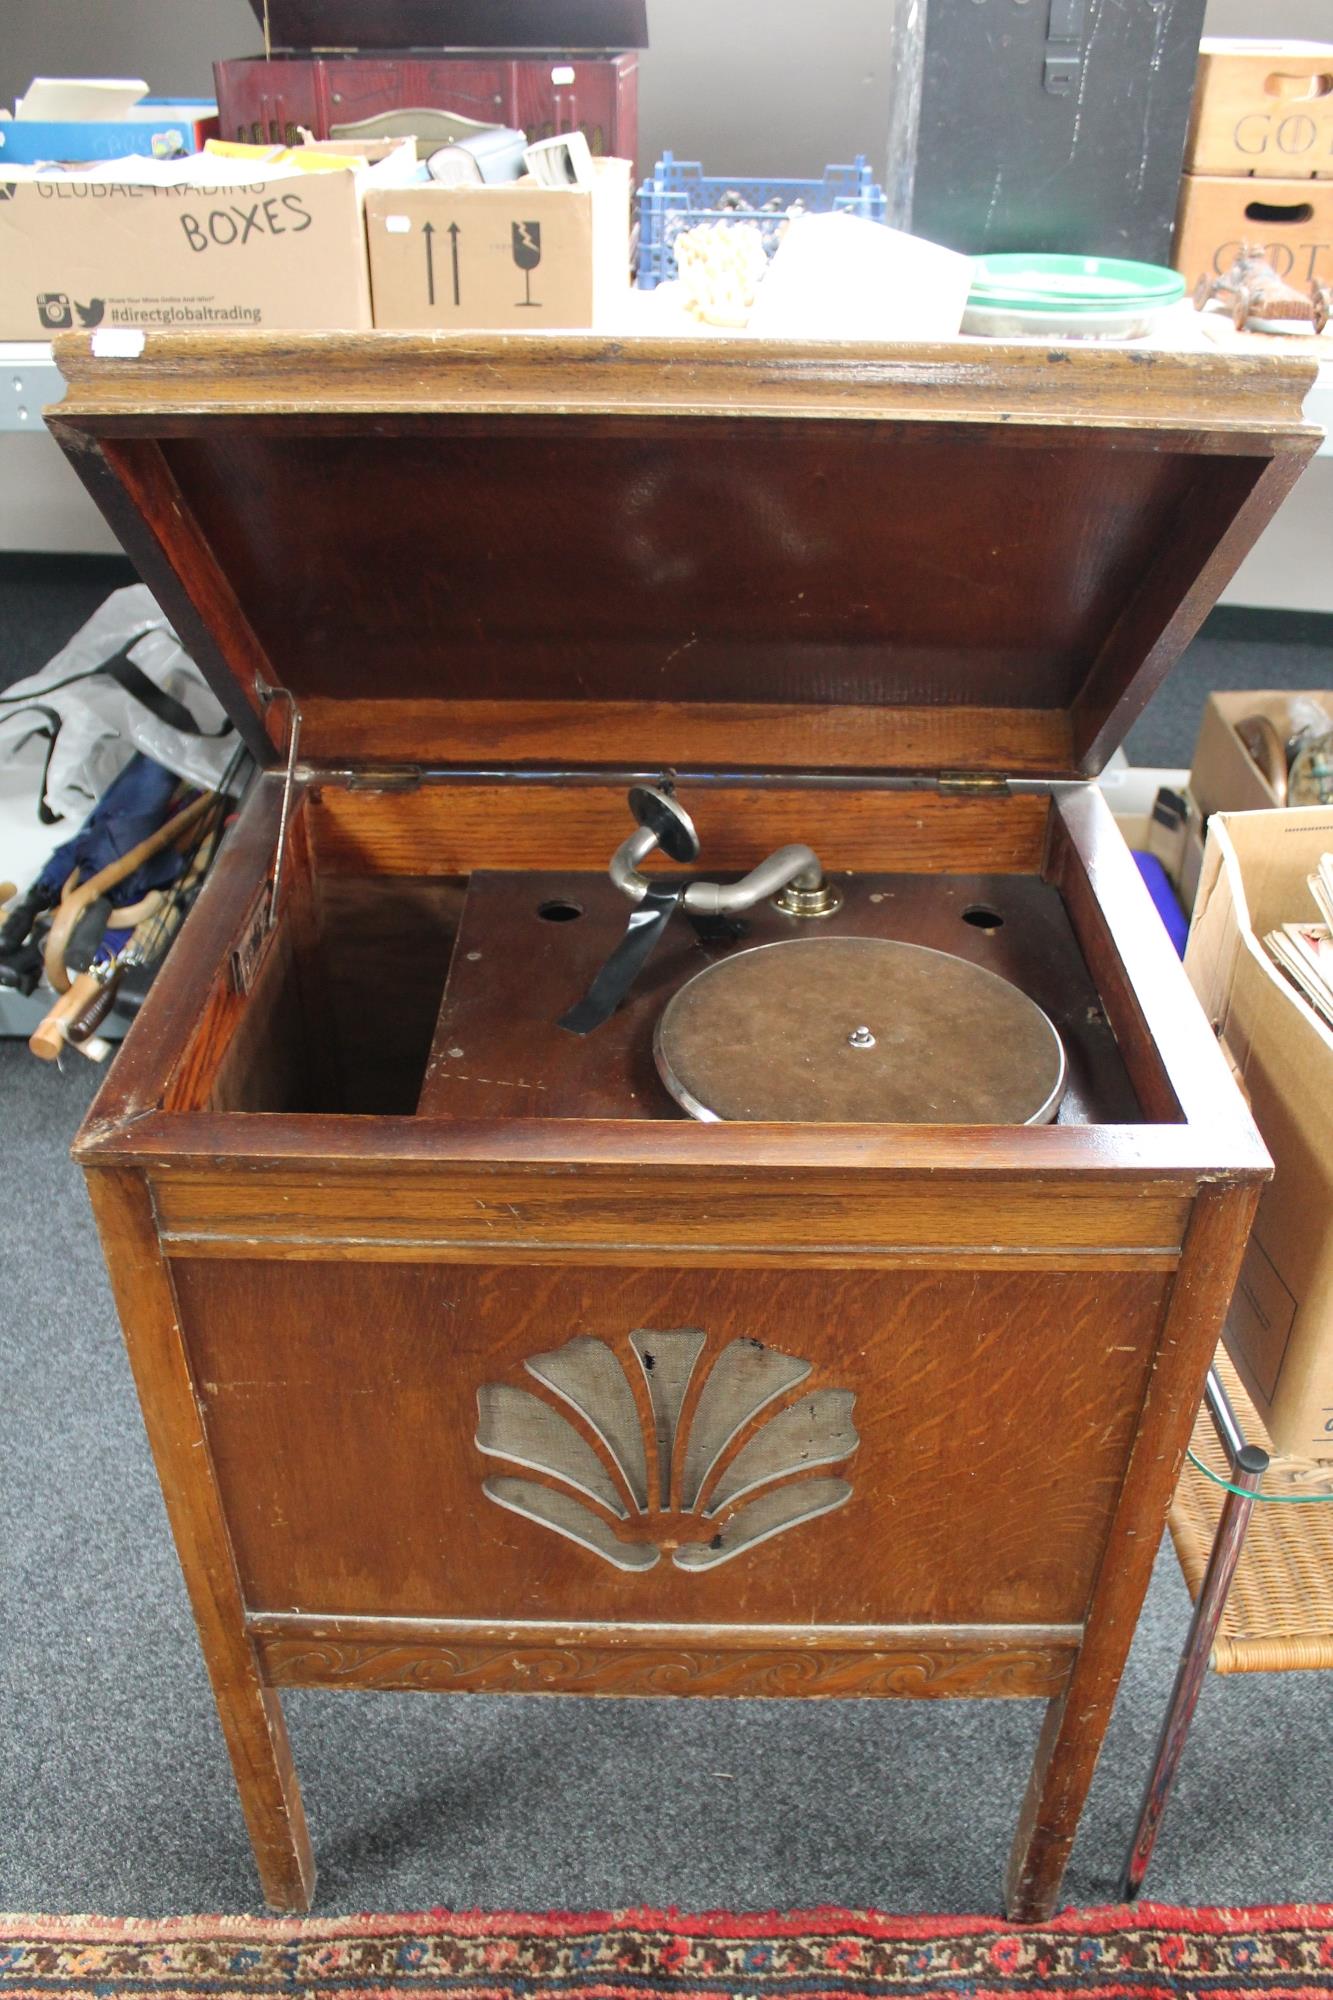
(571, 551)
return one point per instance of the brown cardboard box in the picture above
(1291, 220)
(1223, 776)
(517, 255)
(85, 252)
(1280, 1328)
(1262, 108)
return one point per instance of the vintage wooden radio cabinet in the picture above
(470, 1359)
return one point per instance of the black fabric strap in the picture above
(136, 684)
(646, 925)
(149, 695)
(50, 731)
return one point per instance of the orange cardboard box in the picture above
(1292, 221)
(1262, 108)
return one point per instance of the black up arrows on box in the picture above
(428, 231)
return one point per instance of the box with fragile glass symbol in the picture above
(517, 255)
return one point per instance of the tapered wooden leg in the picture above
(1075, 1724)
(249, 1709)
(1062, 1769)
(261, 1757)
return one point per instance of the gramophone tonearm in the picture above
(792, 876)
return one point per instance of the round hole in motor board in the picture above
(982, 917)
(557, 911)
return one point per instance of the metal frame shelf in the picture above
(29, 380)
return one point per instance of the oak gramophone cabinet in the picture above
(468, 1358)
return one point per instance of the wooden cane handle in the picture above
(73, 901)
(131, 914)
(87, 1020)
(48, 1038)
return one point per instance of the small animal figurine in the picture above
(1261, 300)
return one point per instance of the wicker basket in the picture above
(1279, 1615)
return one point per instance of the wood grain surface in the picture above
(734, 735)
(249, 1710)
(181, 377)
(1076, 1721)
(775, 1212)
(747, 524)
(451, 826)
(341, 1407)
(922, 1662)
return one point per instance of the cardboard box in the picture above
(285, 251)
(1262, 108)
(1291, 220)
(1223, 776)
(160, 127)
(1174, 835)
(520, 255)
(1280, 1328)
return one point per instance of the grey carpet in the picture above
(1236, 648)
(43, 601)
(115, 1793)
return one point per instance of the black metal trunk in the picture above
(1041, 124)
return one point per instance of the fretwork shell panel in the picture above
(349, 1392)
(668, 1448)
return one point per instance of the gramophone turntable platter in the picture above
(858, 1030)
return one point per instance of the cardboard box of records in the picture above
(1255, 750)
(1257, 885)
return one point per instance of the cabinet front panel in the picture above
(571, 1442)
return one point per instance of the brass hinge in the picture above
(988, 784)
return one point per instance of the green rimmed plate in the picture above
(1018, 292)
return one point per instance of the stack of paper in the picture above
(1305, 951)
(67, 97)
(1321, 887)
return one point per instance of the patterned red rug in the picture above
(1147, 1953)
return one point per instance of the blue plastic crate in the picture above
(680, 195)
